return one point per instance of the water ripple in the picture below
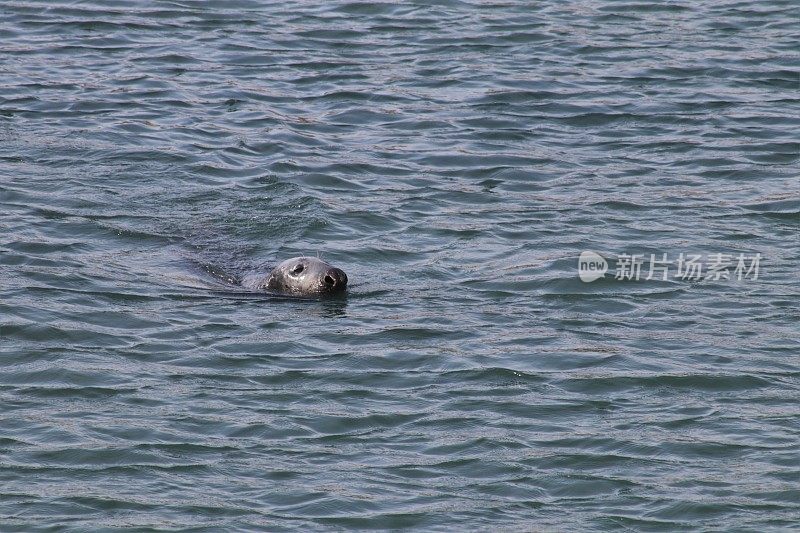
(455, 157)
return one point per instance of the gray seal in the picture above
(300, 276)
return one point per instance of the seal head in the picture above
(305, 276)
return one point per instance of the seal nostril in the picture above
(329, 280)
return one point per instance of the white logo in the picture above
(690, 267)
(591, 266)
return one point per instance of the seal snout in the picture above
(305, 276)
(335, 279)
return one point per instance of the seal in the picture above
(301, 276)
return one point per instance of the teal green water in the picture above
(454, 158)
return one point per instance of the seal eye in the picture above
(296, 270)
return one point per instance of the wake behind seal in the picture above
(300, 276)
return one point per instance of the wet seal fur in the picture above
(300, 276)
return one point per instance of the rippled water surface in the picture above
(455, 158)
